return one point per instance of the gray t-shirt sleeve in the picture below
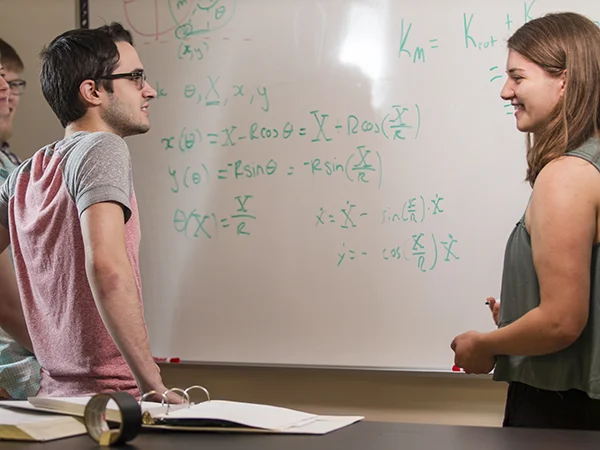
(99, 170)
(5, 194)
(4, 204)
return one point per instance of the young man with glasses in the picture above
(71, 213)
(19, 370)
(13, 69)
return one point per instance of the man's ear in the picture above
(89, 92)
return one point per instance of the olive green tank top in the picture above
(575, 367)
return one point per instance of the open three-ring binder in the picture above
(206, 415)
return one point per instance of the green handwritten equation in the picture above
(349, 216)
(413, 210)
(193, 52)
(473, 36)
(362, 166)
(426, 251)
(211, 95)
(416, 53)
(346, 217)
(476, 36)
(395, 126)
(194, 224)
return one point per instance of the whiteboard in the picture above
(326, 183)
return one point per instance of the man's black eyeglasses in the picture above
(139, 77)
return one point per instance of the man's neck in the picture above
(91, 126)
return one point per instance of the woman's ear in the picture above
(563, 81)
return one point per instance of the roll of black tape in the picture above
(97, 426)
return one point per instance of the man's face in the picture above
(127, 109)
(6, 123)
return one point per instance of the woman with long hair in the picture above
(547, 345)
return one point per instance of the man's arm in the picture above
(113, 285)
(11, 310)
